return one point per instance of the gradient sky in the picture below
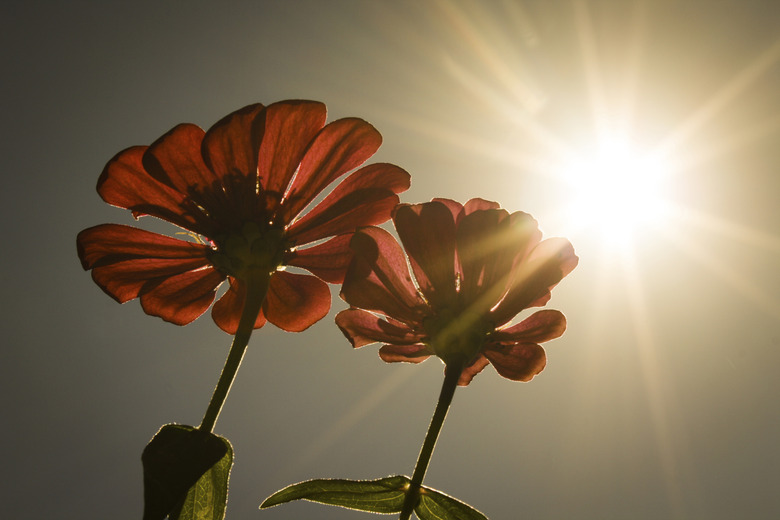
(660, 401)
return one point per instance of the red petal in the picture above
(519, 362)
(472, 370)
(181, 299)
(546, 265)
(363, 328)
(125, 183)
(230, 146)
(481, 240)
(226, 313)
(175, 159)
(111, 243)
(478, 204)
(427, 232)
(404, 353)
(230, 149)
(378, 278)
(125, 280)
(489, 243)
(287, 129)
(541, 326)
(364, 198)
(124, 259)
(328, 261)
(454, 207)
(296, 301)
(339, 147)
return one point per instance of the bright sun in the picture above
(616, 191)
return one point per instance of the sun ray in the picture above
(345, 422)
(721, 99)
(590, 60)
(488, 55)
(747, 235)
(732, 277)
(636, 49)
(516, 99)
(656, 386)
(728, 145)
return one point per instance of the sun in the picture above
(615, 191)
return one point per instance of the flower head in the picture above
(240, 189)
(476, 267)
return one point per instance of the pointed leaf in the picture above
(384, 496)
(173, 462)
(207, 499)
(435, 505)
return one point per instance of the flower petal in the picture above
(489, 243)
(546, 265)
(338, 148)
(539, 327)
(287, 129)
(481, 240)
(124, 259)
(328, 261)
(296, 301)
(427, 232)
(404, 353)
(231, 145)
(182, 298)
(125, 183)
(125, 280)
(518, 362)
(378, 278)
(110, 243)
(476, 366)
(226, 313)
(477, 204)
(363, 328)
(175, 160)
(364, 198)
(455, 207)
(230, 149)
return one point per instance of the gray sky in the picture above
(659, 402)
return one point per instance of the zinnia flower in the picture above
(476, 267)
(239, 190)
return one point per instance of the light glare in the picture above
(615, 191)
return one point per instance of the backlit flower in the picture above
(240, 189)
(476, 266)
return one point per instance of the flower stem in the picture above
(451, 376)
(257, 288)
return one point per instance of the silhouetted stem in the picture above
(451, 376)
(257, 288)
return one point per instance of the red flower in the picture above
(240, 188)
(476, 267)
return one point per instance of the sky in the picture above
(659, 402)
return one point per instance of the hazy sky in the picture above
(660, 402)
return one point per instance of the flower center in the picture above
(456, 336)
(251, 249)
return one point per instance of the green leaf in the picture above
(435, 505)
(206, 500)
(385, 495)
(173, 461)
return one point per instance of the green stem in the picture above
(451, 376)
(257, 288)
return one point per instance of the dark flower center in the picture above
(254, 248)
(456, 336)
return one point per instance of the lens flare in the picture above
(615, 191)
